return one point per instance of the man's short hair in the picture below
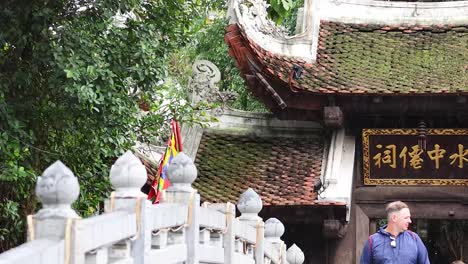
(394, 207)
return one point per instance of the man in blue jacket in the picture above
(394, 243)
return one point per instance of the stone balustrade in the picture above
(132, 230)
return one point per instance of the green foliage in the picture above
(208, 44)
(14, 171)
(72, 78)
(280, 9)
(71, 82)
(289, 21)
(12, 222)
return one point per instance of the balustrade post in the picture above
(250, 205)
(127, 175)
(295, 255)
(57, 189)
(181, 173)
(274, 229)
(49, 230)
(229, 236)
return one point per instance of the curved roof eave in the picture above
(392, 48)
(252, 18)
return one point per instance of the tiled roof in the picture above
(281, 170)
(369, 59)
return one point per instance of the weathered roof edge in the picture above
(337, 161)
(252, 18)
(389, 13)
(259, 125)
(246, 123)
(242, 122)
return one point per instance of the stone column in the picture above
(250, 205)
(181, 173)
(295, 255)
(274, 229)
(127, 175)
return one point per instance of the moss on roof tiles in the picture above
(281, 170)
(377, 59)
(421, 60)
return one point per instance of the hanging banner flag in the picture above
(174, 146)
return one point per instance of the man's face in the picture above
(403, 219)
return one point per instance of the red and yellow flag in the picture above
(174, 146)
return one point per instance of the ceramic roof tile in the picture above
(281, 170)
(377, 59)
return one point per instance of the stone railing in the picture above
(132, 230)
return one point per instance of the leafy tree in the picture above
(290, 18)
(72, 78)
(279, 9)
(209, 44)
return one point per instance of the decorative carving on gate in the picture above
(202, 86)
(254, 15)
(333, 116)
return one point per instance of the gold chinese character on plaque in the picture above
(402, 156)
(387, 157)
(436, 154)
(415, 155)
(460, 156)
(415, 160)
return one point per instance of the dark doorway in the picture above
(445, 239)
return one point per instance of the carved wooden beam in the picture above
(272, 91)
(333, 116)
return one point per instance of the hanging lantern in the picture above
(422, 135)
